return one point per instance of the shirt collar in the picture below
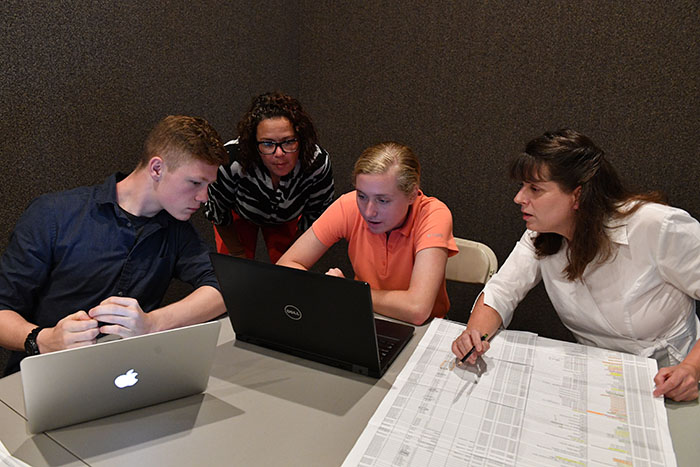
(616, 228)
(107, 194)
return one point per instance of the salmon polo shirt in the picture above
(386, 263)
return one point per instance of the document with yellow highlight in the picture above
(529, 401)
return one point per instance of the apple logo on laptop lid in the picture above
(127, 379)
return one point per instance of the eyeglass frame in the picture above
(278, 145)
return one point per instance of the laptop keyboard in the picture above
(385, 345)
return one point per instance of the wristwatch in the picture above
(30, 344)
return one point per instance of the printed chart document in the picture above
(528, 401)
(7, 460)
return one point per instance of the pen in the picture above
(464, 359)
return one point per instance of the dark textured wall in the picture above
(83, 82)
(467, 84)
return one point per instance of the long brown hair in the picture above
(273, 105)
(572, 160)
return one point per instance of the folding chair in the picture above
(475, 263)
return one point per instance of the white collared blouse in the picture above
(641, 300)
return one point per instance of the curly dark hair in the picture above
(271, 105)
(572, 160)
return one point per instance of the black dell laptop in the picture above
(315, 316)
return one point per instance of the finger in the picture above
(111, 309)
(455, 348)
(659, 381)
(116, 330)
(677, 393)
(79, 315)
(471, 359)
(480, 347)
(461, 348)
(692, 392)
(478, 344)
(86, 335)
(116, 300)
(668, 386)
(474, 340)
(663, 389)
(477, 338)
(120, 320)
(462, 344)
(75, 345)
(73, 339)
(686, 387)
(661, 376)
(79, 325)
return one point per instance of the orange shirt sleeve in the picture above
(434, 229)
(333, 224)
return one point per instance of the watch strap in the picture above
(30, 344)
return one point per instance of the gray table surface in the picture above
(261, 408)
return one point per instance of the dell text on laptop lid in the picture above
(70, 386)
(319, 317)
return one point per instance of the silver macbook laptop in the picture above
(315, 316)
(70, 386)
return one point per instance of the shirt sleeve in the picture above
(434, 230)
(193, 263)
(520, 273)
(26, 263)
(223, 191)
(335, 221)
(678, 252)
(322, 190)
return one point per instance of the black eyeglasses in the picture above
(269, 147)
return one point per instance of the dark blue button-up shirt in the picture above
(71, 250)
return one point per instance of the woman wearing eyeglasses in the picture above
(279, 180)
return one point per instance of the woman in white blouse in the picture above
(621, 269)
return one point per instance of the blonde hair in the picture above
(380, 158)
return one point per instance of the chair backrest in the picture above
(475, 263)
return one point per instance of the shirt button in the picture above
(128, 224)
(120, 293)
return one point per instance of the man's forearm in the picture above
(201, 305)
(13, 330)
